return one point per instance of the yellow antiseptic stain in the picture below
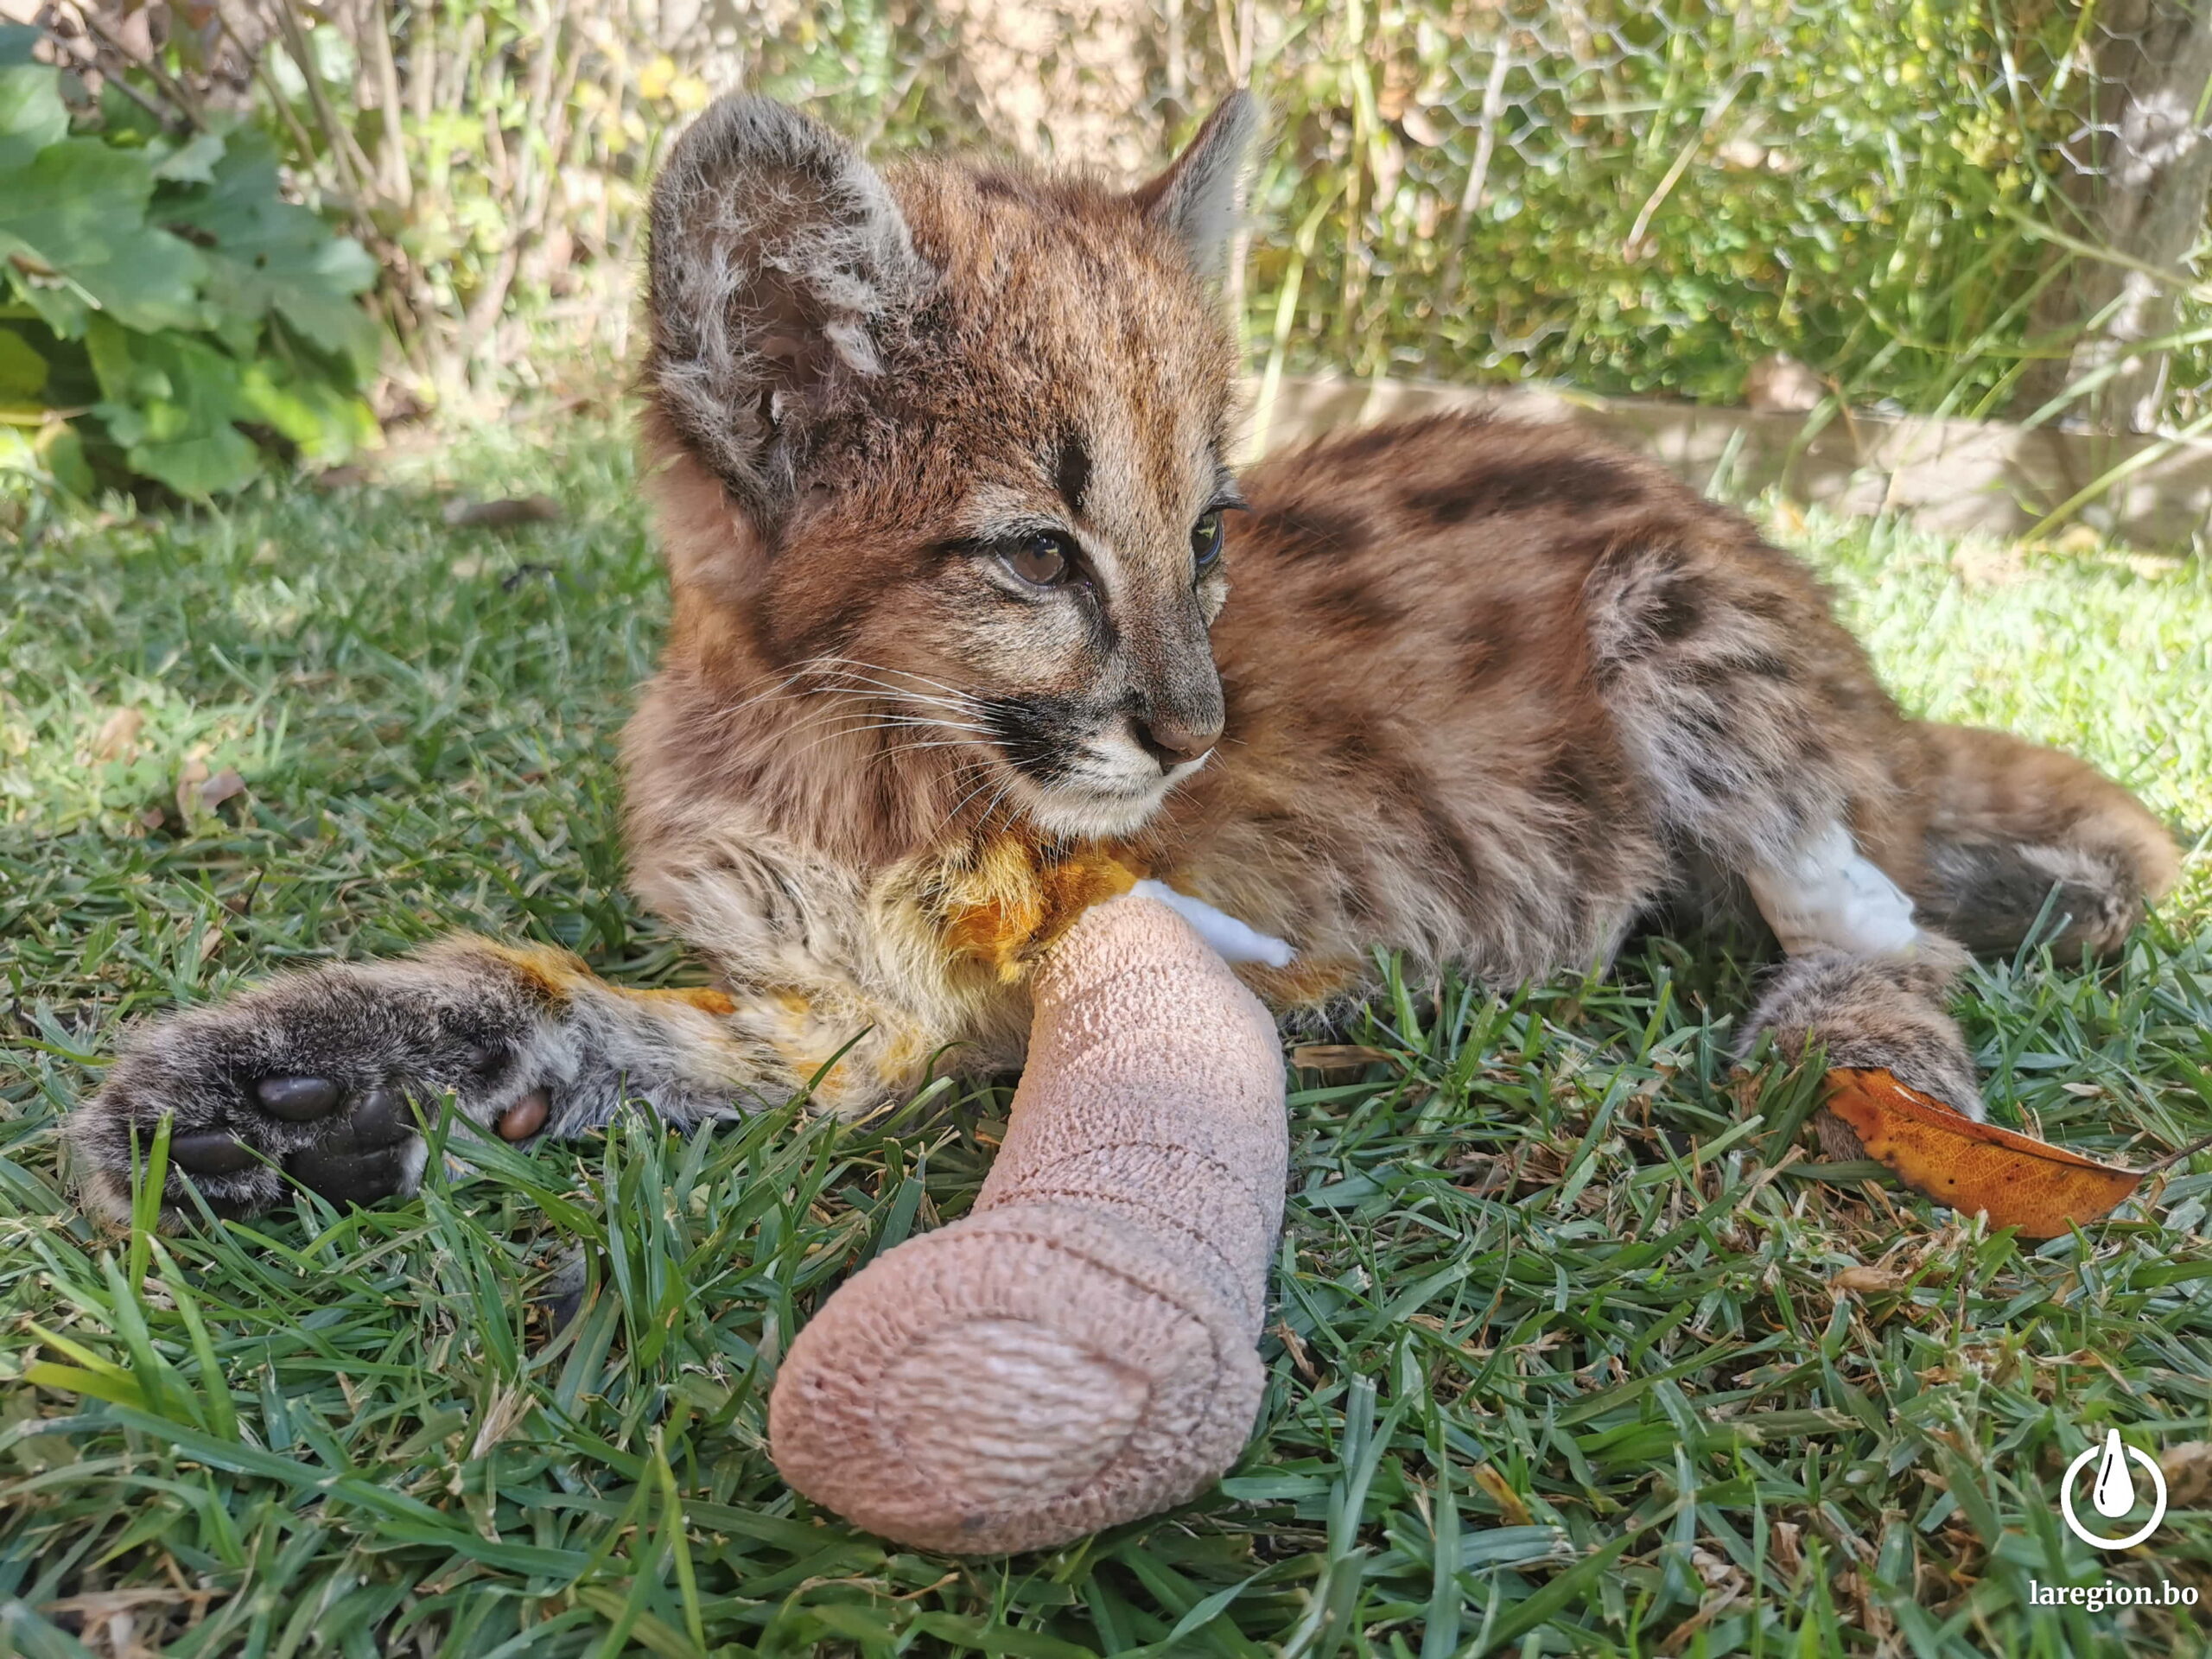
(555, 975)
(552, 972)
(705, 998)
(1006, 902)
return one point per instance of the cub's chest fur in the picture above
(996, 907)
(1002, 903)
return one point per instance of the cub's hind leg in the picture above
(2017, 838)
(1872, 845)
(309, 1077)
(1762, 738)
(2016, 834)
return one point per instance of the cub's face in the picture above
(972, 429)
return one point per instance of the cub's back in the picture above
(1424, 656)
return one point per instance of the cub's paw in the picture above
(308, 1079)
(1880, 1012)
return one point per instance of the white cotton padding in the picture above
(1231, 940)
(1829, 896)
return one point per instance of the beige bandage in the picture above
(1077, 1352)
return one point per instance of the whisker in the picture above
(879, 668)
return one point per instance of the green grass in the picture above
(1557, 1367)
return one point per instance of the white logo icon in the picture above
(2112, 1495)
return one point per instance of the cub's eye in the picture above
(1206, 538)
(1043, 559)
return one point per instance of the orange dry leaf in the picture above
(2016, 1181)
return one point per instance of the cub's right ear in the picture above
(779, 269)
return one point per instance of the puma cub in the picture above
(975, 624)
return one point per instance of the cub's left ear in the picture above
(1197, 199)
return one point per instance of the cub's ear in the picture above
(779, 269)
(1197, 197)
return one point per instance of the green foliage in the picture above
(165, 313)
(1557, 1361)
(1640, 198)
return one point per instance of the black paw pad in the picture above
(210, 1152)
(363, 1157)
(380, 1118)
(296, 1100)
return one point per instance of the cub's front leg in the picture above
(309, 1077)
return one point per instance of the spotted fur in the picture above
(1482, 694)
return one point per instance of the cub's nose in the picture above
(1172, 742)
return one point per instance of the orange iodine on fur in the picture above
(2016, 1181)
(705, 998)
(1018, 893)
(555, 974)
(551, 972)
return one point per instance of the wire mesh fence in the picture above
(1956, 207)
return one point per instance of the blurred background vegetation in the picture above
(239, 231)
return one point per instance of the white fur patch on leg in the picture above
(1231, 939)
(1829, 896)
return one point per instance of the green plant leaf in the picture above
(264, 253)
(61, 452)
(212, 464)
(62, 310)
(192, 162)
(173, 403)
(22, 371)
(31, 114)
(76, 211)
(328, 423)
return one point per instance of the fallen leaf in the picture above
(509, 1407)
(1337, 1057)
(187, 786)
(118, 734)
(1301, 1355)
(2188, 1469)
(2015, 1180)
(220, 788)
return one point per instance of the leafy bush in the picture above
(165, 313)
